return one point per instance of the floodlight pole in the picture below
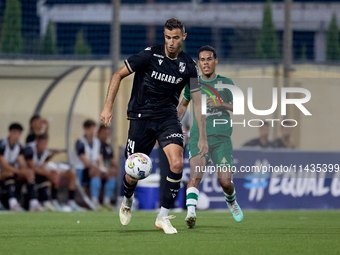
(115, 58)
(287, 42)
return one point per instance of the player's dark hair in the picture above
(15, 126)
(102, 127)
(174, 23)
(89, 123)
(34, 117)
(207, 48)
(265, 123)
(42, 137)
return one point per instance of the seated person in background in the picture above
(108, 156)
(37, 156)
(36, 128)
(262, 141)
(89, 162)
(284, 140)
(13, 167)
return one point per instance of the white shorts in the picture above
(59, 167)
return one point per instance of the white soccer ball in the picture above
(138, 166)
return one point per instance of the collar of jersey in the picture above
(167, 56)
(209, 80)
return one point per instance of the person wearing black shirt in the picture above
(36, 128)
(108, 156)
(13, 168)
(284, 141)
(161, 72)
(262, 141)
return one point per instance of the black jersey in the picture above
(158, 82)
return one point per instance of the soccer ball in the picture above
(138, 166)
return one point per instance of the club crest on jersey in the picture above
(182, 67)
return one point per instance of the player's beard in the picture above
(175, 51)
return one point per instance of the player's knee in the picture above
(176, 165)
(29, 175)
(73, 175)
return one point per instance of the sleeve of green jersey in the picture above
(187, 94)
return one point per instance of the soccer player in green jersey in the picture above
(219, 102)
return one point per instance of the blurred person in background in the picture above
(261, 141)
(14, 169)
(37, 157)
(285, 140)
(109, 161)
(89, 162)
(38, 126)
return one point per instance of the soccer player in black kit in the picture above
(161, 72)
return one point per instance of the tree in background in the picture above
(267, 46)
(333, 47)
(49, 46)
(11, 38)
(80, 47)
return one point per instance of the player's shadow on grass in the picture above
(127, 231)
(211, 227)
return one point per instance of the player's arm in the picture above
(47, 125)
(41, 170)
(183, 106)
(116, 79)
(6, 166)
(195, 92)
(87, 163)
(201, 123)
(229, 96)
(28, 156)
(22, 162)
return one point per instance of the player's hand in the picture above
(202, 146)
(106, 116)
(45, 122)
(183, 131)
(211, 102)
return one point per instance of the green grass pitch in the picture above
(261, 232)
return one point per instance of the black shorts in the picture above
(143, 134)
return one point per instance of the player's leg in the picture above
(142, 139)
(8, 178)
(29, 176)
(109, 187)
(171, 139)
(196, 164)
(196, 174)
(95, 185)
(71, 176)
(221, 155)
(54, 179)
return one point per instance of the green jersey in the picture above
(218, 112)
